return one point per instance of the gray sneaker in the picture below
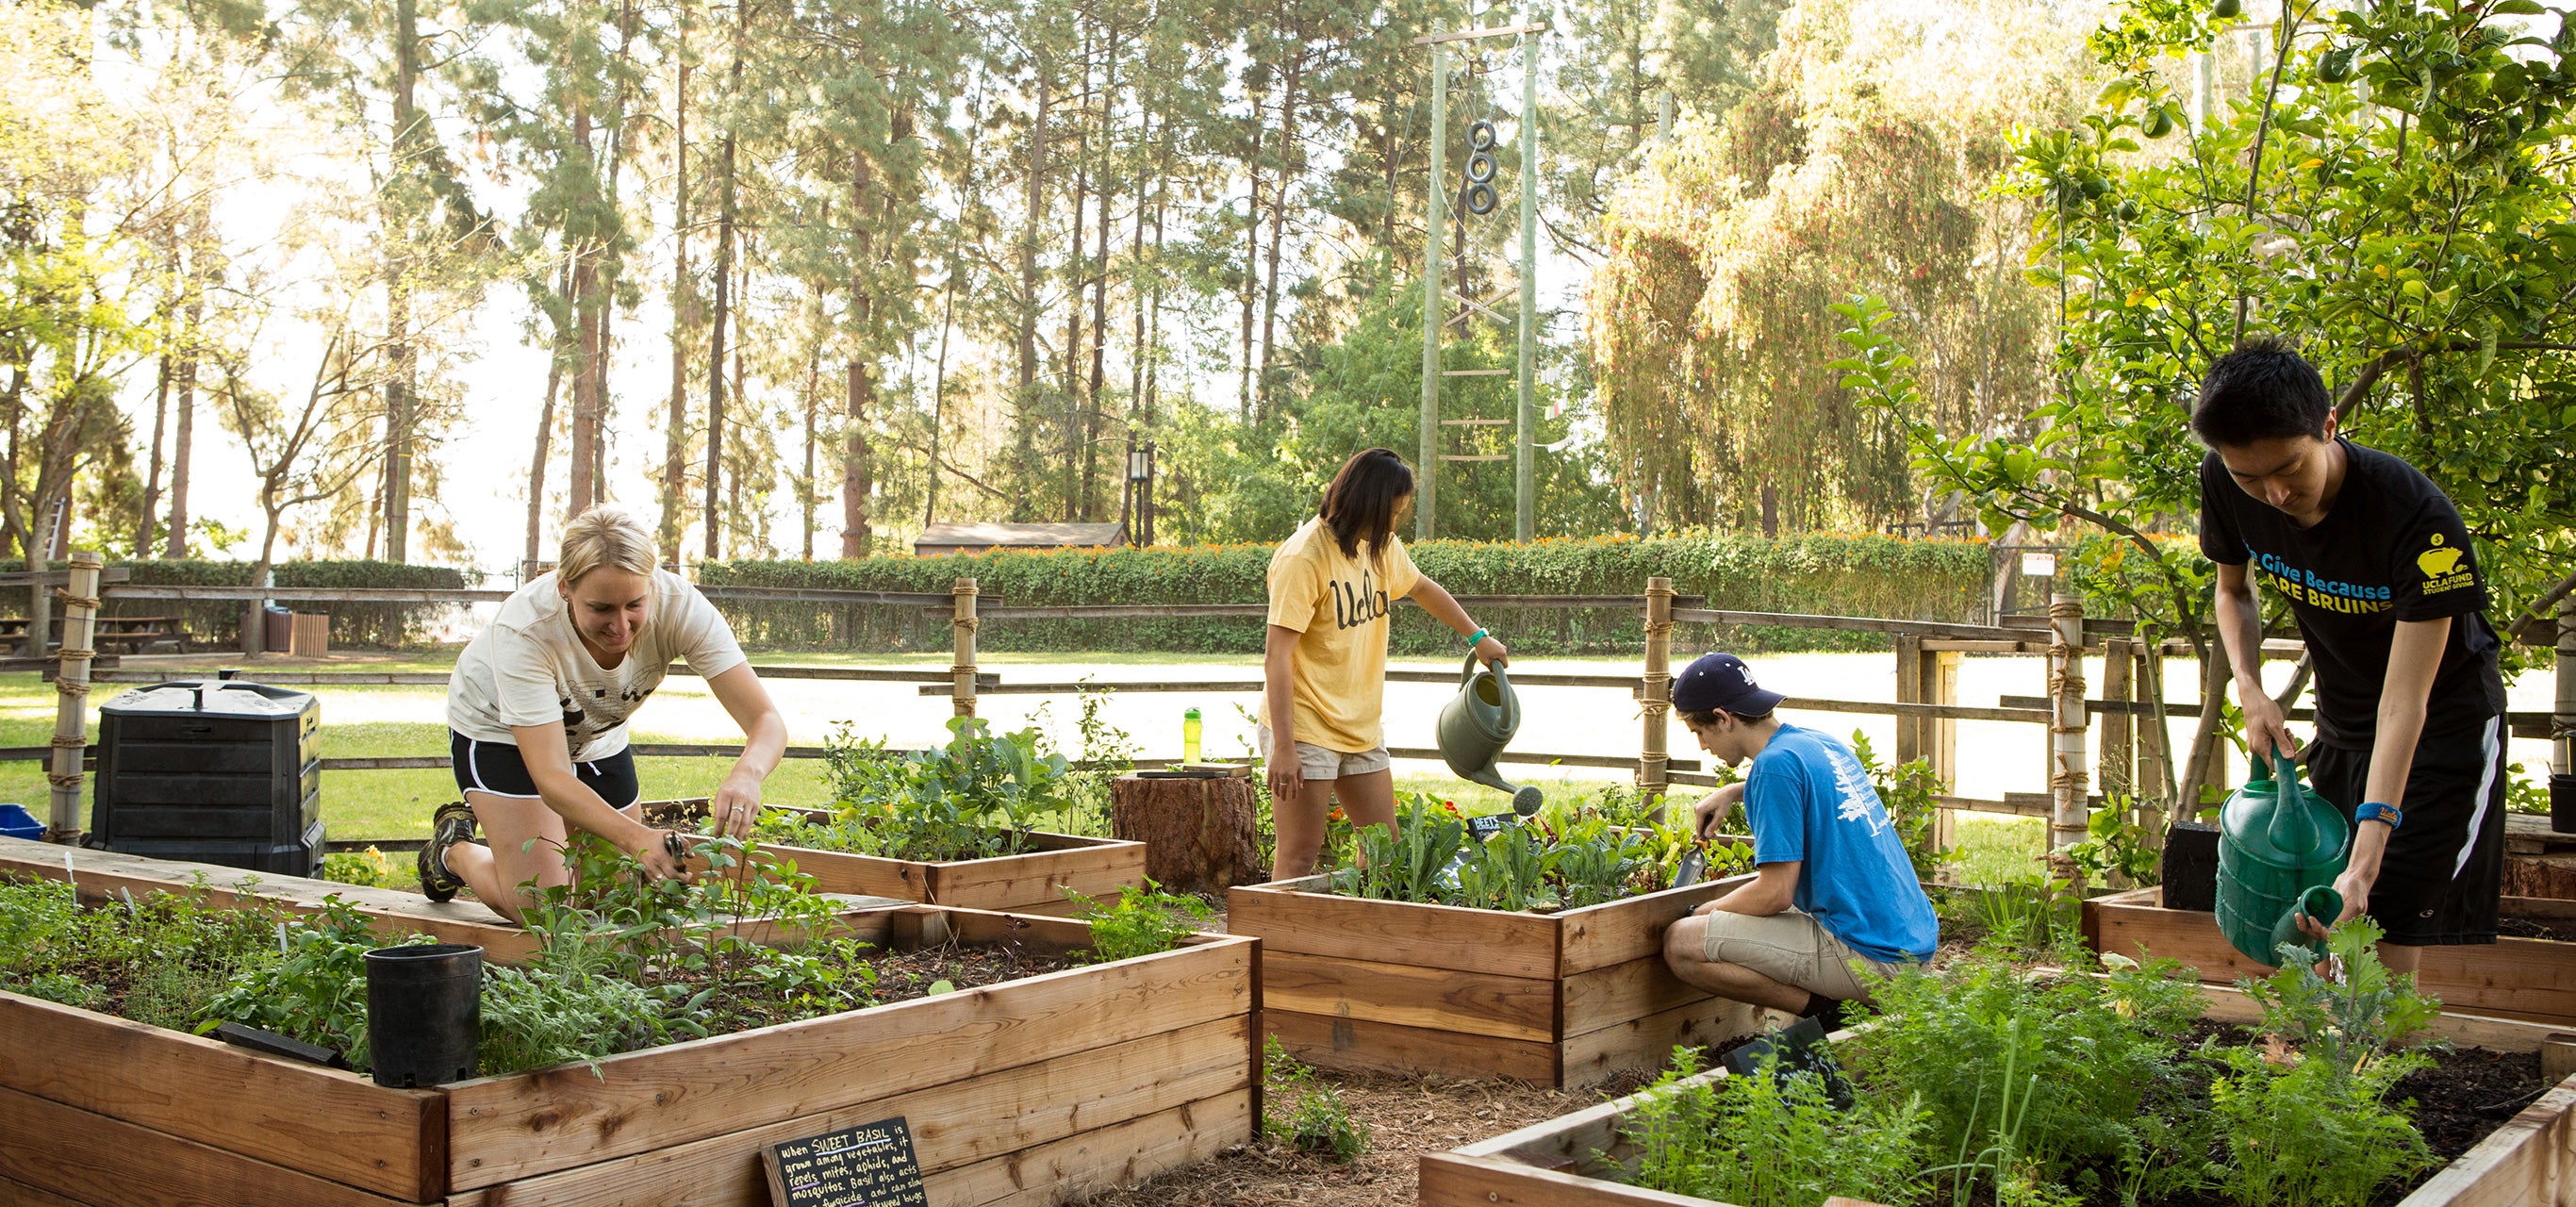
(454, 824)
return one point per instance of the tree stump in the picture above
(1200, 835)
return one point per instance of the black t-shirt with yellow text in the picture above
(2392, 548)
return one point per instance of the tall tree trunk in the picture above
(675, 432)
(1092, 418)
(1288, 157)
(585, 384)
(806, 496)
(402, 362)
(724, 300)
(160, 424)
(545, 447)
(1070, 372)
(1024, 426)
(939, 395)
(1251, 263)
(1135, 281)
(859, 385)
(609, 268)
(183, 378)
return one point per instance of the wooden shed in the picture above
(938, 539)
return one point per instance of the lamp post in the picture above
(1140, 494)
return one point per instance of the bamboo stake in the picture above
(71, 687)
(2067, 778)
(1655, 692)
(962, 627)
(1940, 680)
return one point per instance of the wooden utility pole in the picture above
(71, 686)
(1426, 469)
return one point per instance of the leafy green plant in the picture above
(1573, 854)
(976, 797)
(2351, 1019)
(2301, 1132)
(316, 990)
(368, 869)
(1318, 1121)
(1773, 1140)
(2116, 845)
(1912, 794)
(2022, 1073)
(1142, 921)
(2033, 916)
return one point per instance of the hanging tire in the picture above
(1480, 136)
(1480, 168)
(1481, 198)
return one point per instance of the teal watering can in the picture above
(2280, 847)
(1476, 724)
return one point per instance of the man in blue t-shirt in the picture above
(1833, 887)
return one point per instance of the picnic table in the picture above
(128, 634)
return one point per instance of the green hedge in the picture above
(1838, 575)
(217, 623)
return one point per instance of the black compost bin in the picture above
(212, 771)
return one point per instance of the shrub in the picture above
(218, 622)
(1838, 575)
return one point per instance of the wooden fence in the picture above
(2096, 747)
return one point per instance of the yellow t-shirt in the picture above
(1337, 680)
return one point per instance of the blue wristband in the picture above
(2375, 811)
(1478, 637)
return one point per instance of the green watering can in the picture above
(1476, 724)
(2280, 847)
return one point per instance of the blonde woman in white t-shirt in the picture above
(537, 712)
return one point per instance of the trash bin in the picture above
(212, 771)
(16, 822)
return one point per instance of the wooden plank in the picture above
(1605, 997)
(2525, 1163)
(324, 1122)
(100, 875)
(1451, 1180)
(1099, 868)
(2531, 979)
(1075, 1167)
(90, 1158)
(1440, 999)
(390, 595)
(505, 1128)
(1648, 1042)
(1361, 1045)
(955, 1125)
(1396, 932)
(1631, 928)
(20, 1194)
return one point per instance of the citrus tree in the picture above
(2390, 191)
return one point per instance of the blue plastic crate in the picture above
(16, 822)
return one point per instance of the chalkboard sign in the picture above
(870, 1165)
(1481, 828)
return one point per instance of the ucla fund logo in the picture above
(2444, 567)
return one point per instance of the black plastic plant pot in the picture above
(424, 1013)
(2562, 803)
(2190, 871)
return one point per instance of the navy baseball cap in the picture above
(1722, 681)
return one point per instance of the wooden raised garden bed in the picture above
(1033, 882)
(1028, 1091)
(1563, 999)
(1561, 1163)
(2533, 979)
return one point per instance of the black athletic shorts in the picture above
(2440, 878)
(496, 768)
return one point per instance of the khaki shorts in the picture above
(1790, 947)
(1318, 763)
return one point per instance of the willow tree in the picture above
(1859, 162)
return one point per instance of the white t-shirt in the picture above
(530, 667)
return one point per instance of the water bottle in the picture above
(1190, 736)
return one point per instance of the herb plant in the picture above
(1317, 1120)
(1569, 856)
(1773, 1140)
(977, 797)
(1142, 921)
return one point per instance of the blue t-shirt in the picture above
(1810, 802)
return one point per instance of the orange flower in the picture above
(1336, 814)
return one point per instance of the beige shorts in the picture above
(1318, 763)
(1790, 947)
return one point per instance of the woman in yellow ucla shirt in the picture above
(1324, 666)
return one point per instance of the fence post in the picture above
(71, 687)
(1655, 692)
(2562, 726)
(2118, 773)
(2067, 725)
(962, 627)
(1940, 685)
(2154, 764)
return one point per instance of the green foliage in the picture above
(1317, 1120)
(2305, 1135)
(368, 868)
(2352, 1019)
(1571, 855)
(1827, 574)
(372, 625)
(168, 952)
(977, 797)
(316, 990)
(1144, 920)
(1773, 1140)
(2115, 844)
(2027, 1074)
(2032, 916)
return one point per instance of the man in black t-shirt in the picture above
(2383, 579)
